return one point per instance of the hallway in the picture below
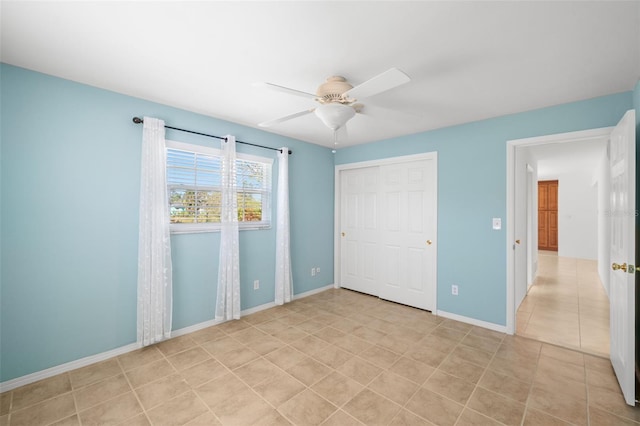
(566, 305)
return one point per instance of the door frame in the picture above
(433, 155)
(512, 145)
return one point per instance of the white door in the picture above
(359, 224)
(408, 233)
(622, 157)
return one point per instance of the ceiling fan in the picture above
(337, 98)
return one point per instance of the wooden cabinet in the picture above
(548, 215)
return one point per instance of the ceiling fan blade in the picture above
(285, 90)
(286, 118)
(378, 84)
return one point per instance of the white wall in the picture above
(523, 259)
(532, 222)
(577, 215)
(604, 223)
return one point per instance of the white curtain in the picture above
(284, 284)
(228, 299)
(154, 244)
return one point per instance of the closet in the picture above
(387, 230)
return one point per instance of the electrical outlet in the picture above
(256, 284)
(313, 272)
(454, 290)
(318, 270)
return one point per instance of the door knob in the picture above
(517, 241)
(615, 266)
(343, 234)
(429, 242)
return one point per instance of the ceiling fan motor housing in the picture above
(332, 91)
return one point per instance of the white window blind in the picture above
(193, 183)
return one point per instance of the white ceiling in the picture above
(468, 60)
(558, 159)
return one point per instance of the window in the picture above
(193, 183)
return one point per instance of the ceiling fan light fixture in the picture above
(335, 115)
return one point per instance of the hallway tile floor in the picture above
(566, 305)
(334, 358)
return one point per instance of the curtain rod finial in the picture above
(137, 120)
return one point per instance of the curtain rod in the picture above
(139, 120)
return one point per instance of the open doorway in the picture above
(618, 211)
(566, 303)
(560, 296)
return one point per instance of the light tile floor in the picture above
(566, 305)
(334, 358)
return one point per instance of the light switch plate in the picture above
(497, 223)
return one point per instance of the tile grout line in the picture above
(265, 380)
(175, 371)
(586, 389)
(261, 356)
(10, 407)
(306, 387)
(229, 371)
(71, 392)
(398, 319)
(404, 407)
(477, 384)
(133, 389)
(383, 370)
(366, 386)
(531, 385)
(192, 389)
(533, 382)
(75, 400)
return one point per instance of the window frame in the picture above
(267, 194)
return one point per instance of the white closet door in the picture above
(359, 235)
(408, 233)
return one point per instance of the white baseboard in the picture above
(211, 323)
(195, 327)
(473, 321)
(63, 368)
(92, 359)
(314, 291)
(257, 309)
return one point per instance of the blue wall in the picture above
(472, 190)
(70, 175)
